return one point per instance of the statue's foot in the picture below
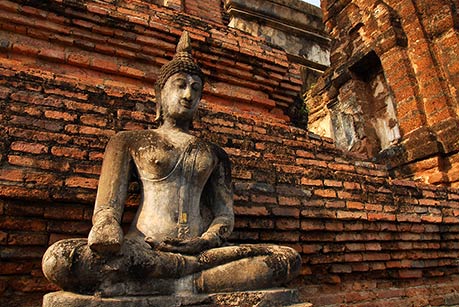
(58, 261)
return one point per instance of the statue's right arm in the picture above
(106, 235)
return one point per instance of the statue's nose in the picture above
(187, 93)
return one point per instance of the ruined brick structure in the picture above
(73, 73)
(392, 90)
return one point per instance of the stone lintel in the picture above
(293, 25)
(295, 14)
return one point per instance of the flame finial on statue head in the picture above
(184, 44)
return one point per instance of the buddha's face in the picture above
(180, 96)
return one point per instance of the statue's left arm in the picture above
(220, 201)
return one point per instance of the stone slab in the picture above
(262, 298)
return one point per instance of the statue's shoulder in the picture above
(220, 153)
(129, 138)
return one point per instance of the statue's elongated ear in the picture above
(159, 113)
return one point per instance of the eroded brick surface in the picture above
(391, 92)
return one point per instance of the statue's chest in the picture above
(161, 161)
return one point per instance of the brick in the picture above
(341, 167)
(104, 63)
(76, 129)
(310, 248)
(23, 210)
(42, 179)
(53, 126)
(34, 148)
(335, 204)
(54, 54)
(318, 213)
(333, 183)
(69, 152)
(64, 213)
(263, 199)
(341, 268)
(255, 210)
(284, 211)
(334, 226)
(28, 285)
(351, 215)
(26, 49)
(96, 156)
(132, 72)
(328, 193)
(60, 115)
(311, 225)
(355, 247)
(93, 120)
(311, 182)
(74, 227)
(38, 163)
(289, 201)
(3, 239)
(287, 224)
(87, 169)
(8, 223)
(355, 205)
(73, 93)
(21, 253)
(279, 236)
(261, 223)
(12, 268)
(352, 185)
(39, 135)
(81, 182)
(408, 218)
(305, 154)
(431, 219)
(27, 239)
(373, 207)
(410, 274)
(347, 195)
(381, 217)
(12, 174)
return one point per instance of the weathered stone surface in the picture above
(266, 298)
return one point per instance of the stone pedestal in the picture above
(265, 298)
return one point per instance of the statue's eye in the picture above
(181, 83)
(196, 86)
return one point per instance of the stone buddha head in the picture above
(179, 85)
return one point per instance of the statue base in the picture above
(260, 298)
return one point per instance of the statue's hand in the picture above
(105, 236)
(187, 246)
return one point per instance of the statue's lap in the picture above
(138, 269)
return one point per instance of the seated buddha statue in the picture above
(177, 239)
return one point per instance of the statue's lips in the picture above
(186, 104)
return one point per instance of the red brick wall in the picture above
(209, 10)
(417, 43)
(72, 79)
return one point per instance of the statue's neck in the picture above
(176, 125)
